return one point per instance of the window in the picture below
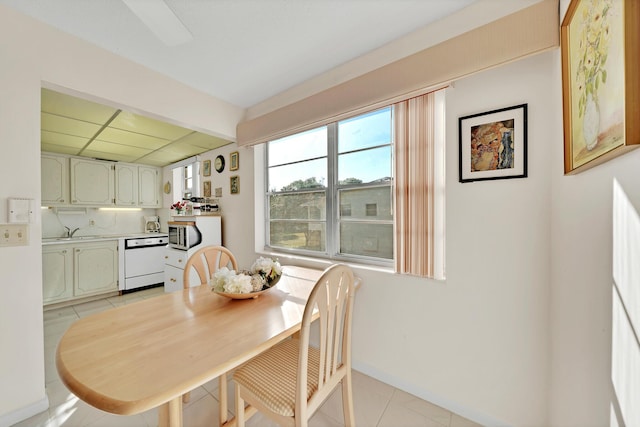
(329, 190)
(186, 183)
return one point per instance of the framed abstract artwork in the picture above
(600, 53)
(493, 144)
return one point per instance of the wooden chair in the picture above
(206, 261)
(291, 380)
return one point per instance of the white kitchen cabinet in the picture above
(54, 179)
(57, 273)
(210, 228)
(126, 185)
(92, 182)
(75, 270)
(148, 187)
(95, 268)
(174, 261)
(69, 180)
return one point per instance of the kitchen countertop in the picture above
(82, 239)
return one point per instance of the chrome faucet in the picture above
(69, 232)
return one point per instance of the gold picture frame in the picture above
(234, 159)
(206, 168)
(234, 184)
(600, 41)
(207, 188)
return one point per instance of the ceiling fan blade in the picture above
(161, 20)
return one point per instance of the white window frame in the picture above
(179, 179)
(332, 250)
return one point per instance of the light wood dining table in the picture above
(136, 357)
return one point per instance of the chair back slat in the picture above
(331, 298)
(206, 261)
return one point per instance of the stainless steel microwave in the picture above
(183, 235)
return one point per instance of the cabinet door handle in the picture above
(172, 280)
(179, 260)
(166, 257)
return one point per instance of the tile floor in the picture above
(376, 404)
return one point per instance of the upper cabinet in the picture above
(55, 180)
(126, 185)
(92, 182)
(87, 182)
(137, 185)
(149, 187)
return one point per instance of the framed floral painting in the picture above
(600, 50)
(234, 184)
(493, 144)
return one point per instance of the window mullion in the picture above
(332, 196)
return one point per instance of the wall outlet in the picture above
(14, 234)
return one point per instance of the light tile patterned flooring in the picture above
(376, 404)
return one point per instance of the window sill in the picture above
(320, 263)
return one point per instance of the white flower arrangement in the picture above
(267, 268)
(264, 274)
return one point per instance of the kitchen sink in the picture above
(61, 239)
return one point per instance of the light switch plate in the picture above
(14, 234)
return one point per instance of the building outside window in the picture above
(329, 190)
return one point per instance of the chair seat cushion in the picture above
(272, 376)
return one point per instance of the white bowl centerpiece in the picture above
(244, 284)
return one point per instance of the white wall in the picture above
(236, 209)
(30, 54)
(582, 282)
(478, 343)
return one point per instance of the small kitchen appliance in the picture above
(151, 224)
(183, 235)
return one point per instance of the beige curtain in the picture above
(414, 185)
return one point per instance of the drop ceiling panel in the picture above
(60, 149)
(181, 150)
(70, 106)
(107, 156)
(144, 125)
(64, 140)
(125, 150)
(203, 141)
(60, 124)
(162, 157)
(131, 138)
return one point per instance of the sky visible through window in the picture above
(369, 130)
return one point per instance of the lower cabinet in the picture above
(57, 273)
(174, 262)
(79, 270)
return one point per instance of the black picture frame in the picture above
(493, 144)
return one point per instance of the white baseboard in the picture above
(23, 413)
(427, 395)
